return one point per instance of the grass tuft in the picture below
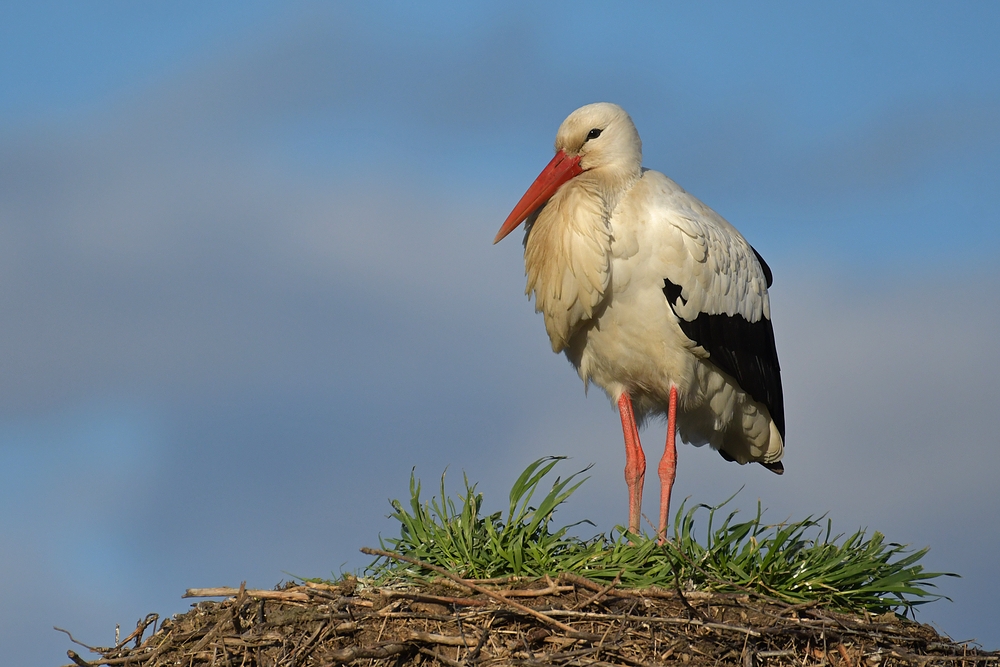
(456, 537)
(797, 562)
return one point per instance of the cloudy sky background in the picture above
(246, 280)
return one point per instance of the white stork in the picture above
(654, 298)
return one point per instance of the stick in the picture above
(437, 599)
(599, 594)
(75, 641)
(75, 657)
(225, 591)
(584, 615)
(479, 589)
(432, 638)
(651, 592)
(352, 653)
(535, 592)
(843, 654)
(440, 658)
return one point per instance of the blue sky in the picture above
(247, 282)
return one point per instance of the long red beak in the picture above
(558, 171)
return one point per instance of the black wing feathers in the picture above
(764, 267)
(745, 350)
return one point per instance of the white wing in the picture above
(716, 269)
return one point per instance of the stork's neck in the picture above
(567, 250)
(613, 182)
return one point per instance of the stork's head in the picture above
(598, 138)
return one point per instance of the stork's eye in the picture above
(593, 134)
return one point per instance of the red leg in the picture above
(668, 464)
(635, 462)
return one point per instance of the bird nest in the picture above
(565, 621)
